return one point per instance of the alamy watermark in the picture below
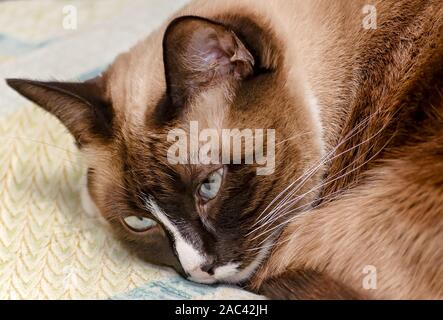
(223, 146)
(70, 21)
(370, 278)
(370, 19)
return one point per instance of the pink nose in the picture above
(198, 275)
(208, 268)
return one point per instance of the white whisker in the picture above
(305, 177)
(277, 227)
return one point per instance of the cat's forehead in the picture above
(136, 81)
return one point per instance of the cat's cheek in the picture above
(89, 206)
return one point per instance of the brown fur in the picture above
(306, 285)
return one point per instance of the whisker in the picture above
(293, 218)
(355, 160)
(293, 137)
(322, 185)
(308, 174)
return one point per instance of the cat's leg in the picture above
(306, 285)
(382, 238)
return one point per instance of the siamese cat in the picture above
(353, 207)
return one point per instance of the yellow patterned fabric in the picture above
(49, 248)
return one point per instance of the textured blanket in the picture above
(49, 248)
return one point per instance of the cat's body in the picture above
(359, 153)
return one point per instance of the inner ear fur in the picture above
(80, 106)
(199, 53)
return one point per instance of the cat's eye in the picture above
(209, 189)
(139, 224)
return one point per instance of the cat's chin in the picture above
(223, 274)
(209, 280)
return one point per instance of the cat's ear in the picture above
(81, 106)
(199, 53)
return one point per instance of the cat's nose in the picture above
(209, 265)
(204, 273)
(208, 268)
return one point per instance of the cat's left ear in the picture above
(199, 53)
(80, 106)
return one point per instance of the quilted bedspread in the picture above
(49, 248)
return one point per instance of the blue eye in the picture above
(211, 186)
(139, 224)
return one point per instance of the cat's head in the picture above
(208, 221)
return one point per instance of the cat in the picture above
(357, 111)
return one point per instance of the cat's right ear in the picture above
(199, 53)
(80, 106)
